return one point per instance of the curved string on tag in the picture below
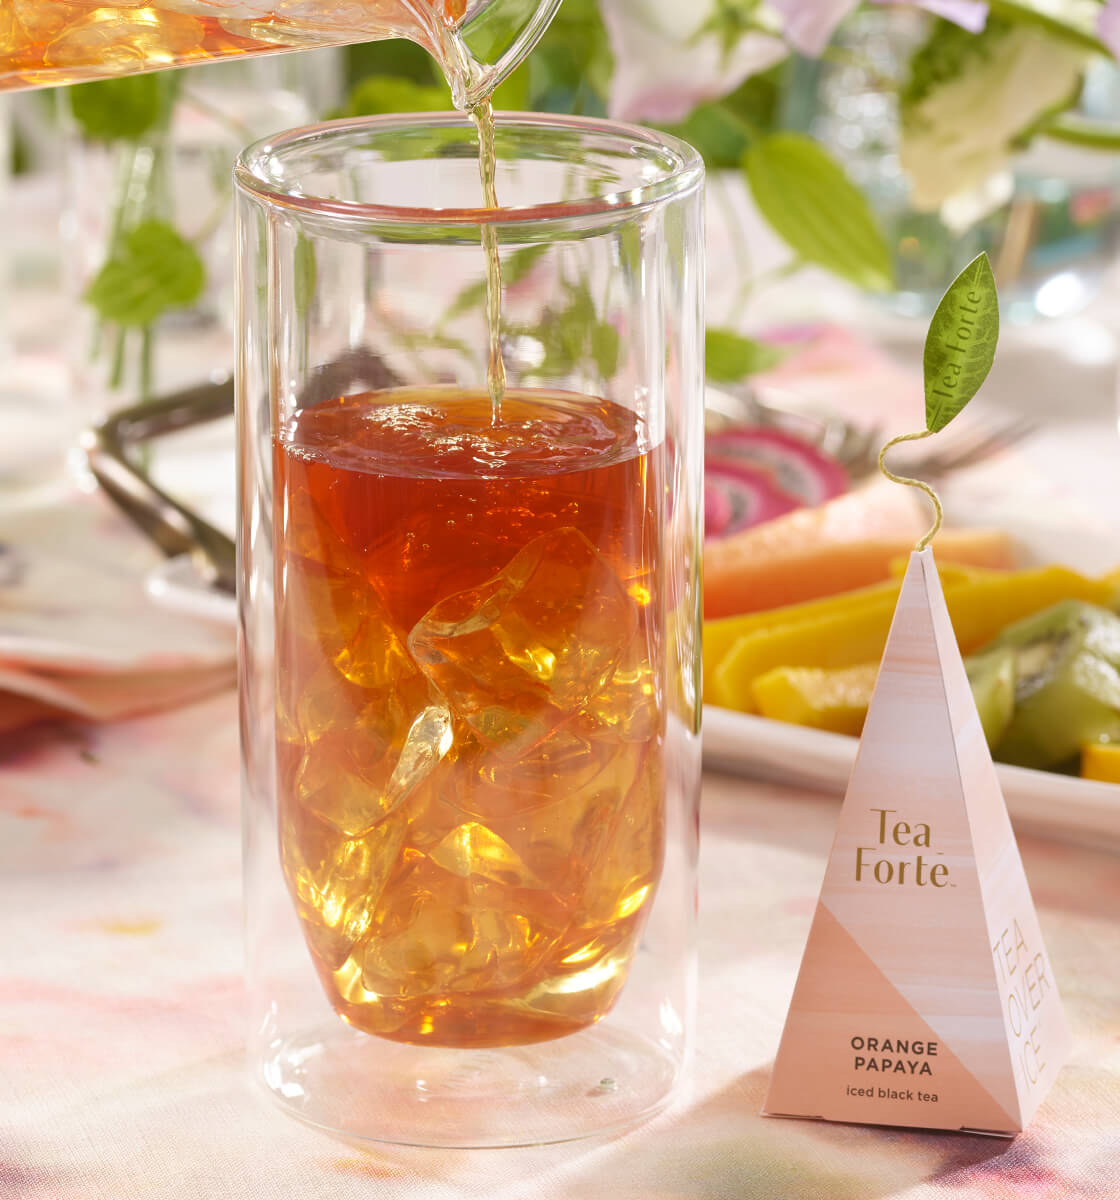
(938, 511)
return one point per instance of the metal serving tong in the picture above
(112, 451)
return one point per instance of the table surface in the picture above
(122, 1073)
(122, 1070)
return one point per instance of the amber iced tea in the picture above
(469, 717)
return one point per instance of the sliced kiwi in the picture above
(1067, 684)
(992, 676)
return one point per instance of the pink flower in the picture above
(667, 62)
(809, 24)
(669, 57)
(1108, 26)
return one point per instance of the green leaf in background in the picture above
(396, 57)
(721, 130)
(155, 269)
(569, 71)
(731, 21)
(570, 68)
(574, 336)
(1073, 23)
(716, 132)
(806, 197)
(306, 274)
(393, 94)
(730, 356)
(606, 346)
(961, 343)
(122, 109)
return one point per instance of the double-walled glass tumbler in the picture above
(470, 625)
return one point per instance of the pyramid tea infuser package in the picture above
(925, 996)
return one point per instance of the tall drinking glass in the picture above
(470, 628)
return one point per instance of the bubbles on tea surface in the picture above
(443, 433)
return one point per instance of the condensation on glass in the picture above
(470, 638)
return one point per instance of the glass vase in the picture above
(170, 176)
(470, 626)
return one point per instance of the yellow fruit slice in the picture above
(980, 608)
(832, 700)
(1101, 760)
(720, 635)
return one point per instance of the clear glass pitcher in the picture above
(46, 42)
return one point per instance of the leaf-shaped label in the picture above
(154, 269)
(731, 357)
(961, 343)
(805, 195)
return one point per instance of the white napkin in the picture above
(80, 634)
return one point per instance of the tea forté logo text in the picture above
(896, 859)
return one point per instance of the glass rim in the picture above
(685, 173)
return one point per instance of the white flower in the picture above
(970, 97)
(670, 57)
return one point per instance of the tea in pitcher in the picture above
(470, 663)
(48, 42)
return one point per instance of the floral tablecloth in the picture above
(121, 1067)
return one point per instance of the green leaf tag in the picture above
(730, 356)
(961, 343)
(805, 195)
(154, 269)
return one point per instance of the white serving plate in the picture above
(1040, 802)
